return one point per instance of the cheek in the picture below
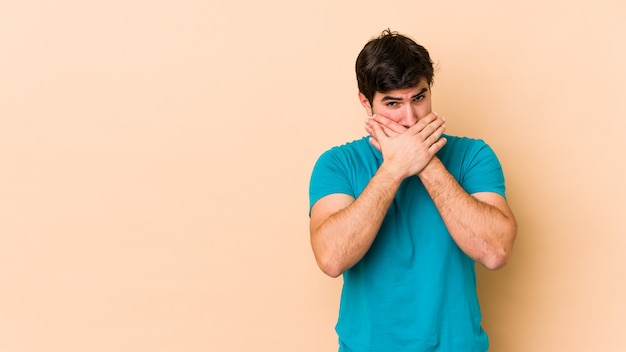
(422, 111)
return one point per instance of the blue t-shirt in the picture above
(414, 290)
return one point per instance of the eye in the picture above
(418, 98)
(391, 104)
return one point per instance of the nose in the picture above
(409, 117)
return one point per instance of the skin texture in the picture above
(407, 132)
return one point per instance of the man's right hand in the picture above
(406, 150)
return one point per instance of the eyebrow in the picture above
(388, 97)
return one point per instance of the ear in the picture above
(366, 104)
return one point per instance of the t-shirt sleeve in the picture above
(484, 171)
(329, 176)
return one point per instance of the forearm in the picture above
(483, 231)
(344, 237)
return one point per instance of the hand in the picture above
(407, 150)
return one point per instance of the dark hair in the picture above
(392, 61)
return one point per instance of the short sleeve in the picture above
(329, 176)
(483, 171)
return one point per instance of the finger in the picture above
(388, 131)
(422, 123)
(374, 142)
(377, 129)
(389, 124)
(428, 125)
(370, 131)
(436, 147)
(435, 136)
(368, 128)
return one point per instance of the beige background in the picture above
(155, 158)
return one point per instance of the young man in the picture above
(405, 213)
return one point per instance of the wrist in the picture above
(390, 173)
(432, 170)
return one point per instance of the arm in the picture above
(481, 224)
(343, 228)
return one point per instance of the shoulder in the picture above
(465, 149)
(344, 169)
(348, 152)
(458, 142)
(474, 164)
(357, 145)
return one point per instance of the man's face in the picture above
(405, 106)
